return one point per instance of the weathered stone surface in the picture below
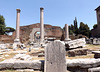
(25, 70)
(97, 69)
(3, 46)
(20, 52)
(67, 33)
(77, 52)
(96, 41)
(96, 54)
(41, 55)
(19, 64)
(55, 57)
(75, 43)
(74, 65)
(22, 57)
(5, 50)
(83, 63)
(34, 30)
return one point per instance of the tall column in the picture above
(18, 24)
(66, 33)
(17, 39)
(41, 25)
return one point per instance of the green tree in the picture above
(2, 25)
(75, 23)
(9, 29)
(71, 29)
(95, 26)
(3, 28)
(84, 29)
(75, 26)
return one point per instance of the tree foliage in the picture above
(95, 26)
(84, 29)
(9, 29)
(75, 26)
(2, 25)
(3, 28)
(71, 29)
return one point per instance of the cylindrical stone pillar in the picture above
(18, 24)
(41, 25)
(66, 33)
(17, 39)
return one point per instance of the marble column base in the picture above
(67, 39)
(16, 42)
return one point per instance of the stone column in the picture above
(18, 24)
(17, 39)
(41, 25)
(66, 33)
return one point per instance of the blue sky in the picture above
(56, 12)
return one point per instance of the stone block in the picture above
(55, 60)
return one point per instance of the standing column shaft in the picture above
(17, 23)
(66, 32)
(17, 39)
(41, 25)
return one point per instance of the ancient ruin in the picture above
(66, 33)
(41, 25)
(46, 48)
(17, 39)
(55, 57)
(95, 32)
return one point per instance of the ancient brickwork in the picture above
(6, 39)
(96, 32)
(51, 31)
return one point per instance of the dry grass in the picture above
(93, 47)
(4, 57)
(38, 58)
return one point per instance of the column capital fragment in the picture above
(41, 8)
(18, 10)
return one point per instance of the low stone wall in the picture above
(77, 52)
(97, 69)
(20, 64)
(6, 39)
(74, 65)
(82, 65)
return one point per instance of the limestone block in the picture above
(55, 57)
(97, 69)
(77, 52)
(75, 43)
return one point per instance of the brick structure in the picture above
(51, 31)
(6, 39)
(96, 32)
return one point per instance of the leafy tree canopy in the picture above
(95, 26)
(84, 29)
(3, 28)
(9, 29)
